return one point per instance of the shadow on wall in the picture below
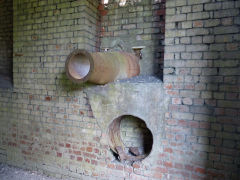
(159, 21)
(6, 44)
(69, 86)
(218, 136)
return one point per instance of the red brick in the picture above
(128, 169)
(89, 149)
(79, 158)
(87, 160)
(168, 164)
(200, 170)
(101, 7)
(160, 12)
(161, 169)
(198, 24)
(103, 12)
(180, 137)
(172, 92)
(169, 150)
(119, 167)
(176, 101)
(48, 98)
(112, 166)
(204, 125)
(59, 154)
(68, 145)
(157, 175)
(136, 165)
(189, 167)
(171, 122)
(168, 86)
(94, 162)
(182, 123)
(77, 152)
(178, 166)
(193, 124)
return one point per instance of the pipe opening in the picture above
(79, 66)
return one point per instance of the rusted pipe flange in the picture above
(79, 66)
(116, 143)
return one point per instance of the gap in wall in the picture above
(6, 43)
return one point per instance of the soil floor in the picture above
(12, 173)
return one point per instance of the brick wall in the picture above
(46, 122)
(201, 74)
(135, 24)
(6, 38)
(134, 133)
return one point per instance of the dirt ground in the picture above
(13, 173)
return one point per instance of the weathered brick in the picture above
(178, 48)
(197, 40)
(208, 39)
(192, 48)
(226, 13)
(181, 3)
(224, 63)
(229, 104)
(216, 47)
(228, 5)
(190, 94)
(229, 71)
(211, 22)
(197, 15)
(176, 18)
(186, 9)
(186, 24)
(213, 6)
(197, 31)
(191, 2)
(184, 116)
(226, 30)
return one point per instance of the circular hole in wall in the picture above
(129, 138)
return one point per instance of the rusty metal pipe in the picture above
(101, 67)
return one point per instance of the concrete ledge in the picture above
(144, 100)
